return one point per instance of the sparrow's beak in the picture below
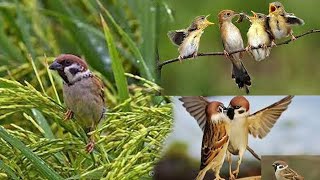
(208, 22)
(230, 112)
(55, 66)
(275, 167)
(254, 13)
(272, 8)
(225, 110)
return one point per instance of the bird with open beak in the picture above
(232, 41)
(243, 123)
(188, 39)
(83, 93)
(259, 35)
(281, 22)
(283, 172)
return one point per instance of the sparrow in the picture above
(215, 140)
(232, 41)
(83, 93)
(281, 22)
(243, 123)
(197, 107)
(283, 172)
(188, 39)
(259, 35)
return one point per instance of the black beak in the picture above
(230, 113)
(275, 167)
(55, 66)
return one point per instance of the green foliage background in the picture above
(35, 142)
(291, 69)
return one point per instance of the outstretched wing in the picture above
(261, 122)
(293, 20)
(196, 106)
(215, 137)
(177, 36)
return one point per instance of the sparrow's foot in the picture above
(194, 55)
(90, 146)
(219, 178)
(248, 48)
(226, 53)
(235, 172)
(68, 115)
(273, 44)
(180, 59)
(231, 177)
(264, 46)
(293, 38)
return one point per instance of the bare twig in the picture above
(160, 65)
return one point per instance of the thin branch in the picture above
(160, 65)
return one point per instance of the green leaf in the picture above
(43, 124)
(39, 164)
(121, 81)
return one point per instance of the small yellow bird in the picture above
(259, 35)
(188, 39)
(280, 21)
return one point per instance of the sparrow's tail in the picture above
(253, 153)
(241, 75)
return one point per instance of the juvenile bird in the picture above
(232, 41)
(283, 172)
(281, 22)
(188, 39)
(259, 35)
(83, 93)
(257, 124)
(215, 140)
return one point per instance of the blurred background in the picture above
(295, 133)
(290, 69)
(305, 165)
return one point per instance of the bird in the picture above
(188, 39)
(83, 93)
(215, 140)
(197, 107)
(232, 41)
(259, 35)
(283, 172)
(257, 124)
(281, 22)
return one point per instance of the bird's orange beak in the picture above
(272, 8)
(254, 14)
(208, 22)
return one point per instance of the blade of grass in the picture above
(37, 74)
(39, 164)
(121, 81)
(8, 170)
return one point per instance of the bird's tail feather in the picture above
(241, 76)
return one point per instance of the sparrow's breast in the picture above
(232, 38)
(191, 44)
(279, 27)
(257, 35)
(238, 136)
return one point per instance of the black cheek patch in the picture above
(241, 111)
(230, 113)
(73, 71)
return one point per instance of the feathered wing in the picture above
(291, 174)
(261, 122)
(215, 137)
(177, 36)
(100, 91)
(268, 29)
(293, 20)
(196, 106)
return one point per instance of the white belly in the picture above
(191, 44)
(238, 137)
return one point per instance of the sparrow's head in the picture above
(276, 8)
(279, 165)
(257, 17)
(71, 68)
(201, 22)
(216, 111)
(226, 15)
(239, 107)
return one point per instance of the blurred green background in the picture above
(306, 166)
(290, 69)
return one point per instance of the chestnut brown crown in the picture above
(226, 15)
(240, 101)
(214, 107)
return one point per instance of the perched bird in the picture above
(257, 124)
(83, 92)
(188, 39)
(215, 140)
(281, 22)
(283, 172)
(232, 41)
(198, 106)
(259, 35)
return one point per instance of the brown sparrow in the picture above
(257, 124)
(232, 41)
(215, 140)
(83, 93)
(280, 21)
(283, 172)
(188, 39)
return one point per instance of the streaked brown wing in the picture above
(100, 89)
(215, 137)
(261, 122)
(177, 36)
(268, 29)
(196, 106)
(291, 174)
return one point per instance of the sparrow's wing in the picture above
(215, 137)
(293, 20)
(261, 122)
(196, 106)
(291, 174)
(268, 28)
(177, 36)
(100, 87)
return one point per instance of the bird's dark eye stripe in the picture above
(73, 71)
(241, 111)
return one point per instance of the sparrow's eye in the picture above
(237, 107)
(278, 6)
(67, 62)
(228, 14)
(202, 18)
(280, 166)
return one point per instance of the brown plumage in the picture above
(283, 172)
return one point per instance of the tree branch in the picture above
(160, 65)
